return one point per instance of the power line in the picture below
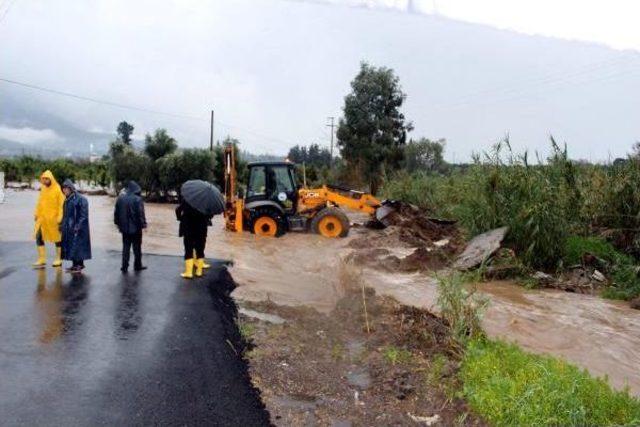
(551, 78)
(141, 109)
(522, 94)
(99, 101)
(257, 134)
(9, 4)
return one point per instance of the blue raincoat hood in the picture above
(133, 187)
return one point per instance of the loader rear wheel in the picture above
(265, 226)
(267, 223)
(330, 222)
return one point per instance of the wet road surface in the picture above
(107, 348)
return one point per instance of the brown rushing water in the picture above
(600, 335)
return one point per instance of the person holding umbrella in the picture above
(199, 201)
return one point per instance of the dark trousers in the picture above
(135, 241)
(78, 263)
(194, 243)
(40, 240)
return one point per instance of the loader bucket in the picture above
(383, 213)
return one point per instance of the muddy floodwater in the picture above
(299, 269)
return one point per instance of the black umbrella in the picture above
(203, 197)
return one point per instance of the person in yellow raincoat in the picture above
(48, 216)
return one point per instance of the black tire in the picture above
(334, 212)
(258, 213)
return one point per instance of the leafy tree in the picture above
(29, 168)
(159, 144)
(176, 168)
(314, 155)
(319, 156)
(424, 155)
(156, 147)
(373, 130)
(96, 173)
(63, 169)
(297, 154)
(128, 164)
(117, 148)
(125, 130)
(11, 170)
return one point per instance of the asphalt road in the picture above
(112, 349)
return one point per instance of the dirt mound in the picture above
(434, 242)
(415, 227)
(423, 258)
(352, 368)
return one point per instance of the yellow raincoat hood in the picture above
(48, 213)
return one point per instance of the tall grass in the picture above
(461, 307)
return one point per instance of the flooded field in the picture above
(297, 269)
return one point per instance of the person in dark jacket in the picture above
(193, 230)
(128, 215)
(76, 241)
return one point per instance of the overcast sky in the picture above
(274, 70)
(611, 22)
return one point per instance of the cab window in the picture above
(257, 182)
(283, 180)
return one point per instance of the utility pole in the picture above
(213, 158)
(331, 125)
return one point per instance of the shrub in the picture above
(625, 282)
(64, 169)
(576, 246)
(396, 356)
(462, 309)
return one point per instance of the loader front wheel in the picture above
(330, 222)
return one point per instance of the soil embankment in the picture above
(371, 361)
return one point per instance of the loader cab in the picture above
(272, 182)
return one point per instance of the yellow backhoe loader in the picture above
(274, 204)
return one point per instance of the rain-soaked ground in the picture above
(111, 349)
(299, 269)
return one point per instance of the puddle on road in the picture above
(297, 269)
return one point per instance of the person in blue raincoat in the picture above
(76, 241)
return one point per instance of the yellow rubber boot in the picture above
(204, 263)
(188, 269)
(199, 267)
(42, 257)
(58, 261)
